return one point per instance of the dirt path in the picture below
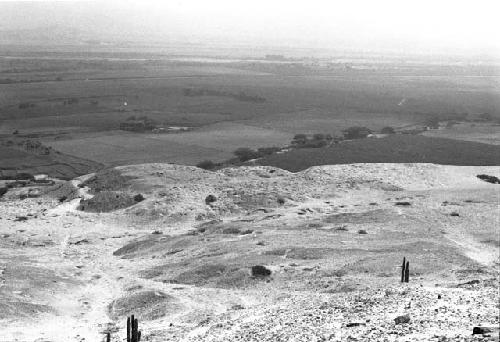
(483, 253)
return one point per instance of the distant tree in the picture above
(432, 122)
(245, 154)
(387, 130)
(485, 117)
(206, 165)
(319, 136)
(356, 132)
(265, 151)
(299, 139)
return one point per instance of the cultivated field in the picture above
(64, 97)
(391, 149)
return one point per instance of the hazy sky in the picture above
(417, 25)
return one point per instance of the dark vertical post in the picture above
(134, 332)
(407, 272)
(403, 270)
(128, 329)
(108, 337)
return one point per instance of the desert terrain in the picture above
(301, 236)
(80, 257)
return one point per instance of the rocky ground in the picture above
(180, 258)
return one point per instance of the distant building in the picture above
(41, 177)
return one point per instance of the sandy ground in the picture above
(60, 279)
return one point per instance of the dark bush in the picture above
(3, 191)
(362, 231)
(231, 230)
(206, 165)
(139, 198)
(387, 130)
(280, 200)
(210, 199)
(315, 144)
(245, 154)
(24, 176)
(260, 271)
(356, 132)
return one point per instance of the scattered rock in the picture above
(402, 319)
(489, 179)
(79, 242)
(260, 271)
(484, 330)
(355, 324)
(471, 282)
(210, 199)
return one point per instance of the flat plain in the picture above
(75, 101)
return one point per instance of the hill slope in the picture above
(333, 238)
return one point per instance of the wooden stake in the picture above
(407, 272)
(403, 270)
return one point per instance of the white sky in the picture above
(423, 25)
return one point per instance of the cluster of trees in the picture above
(71, 101)
(240, 96)
(320, 140)
(138, 124)
(245, 154)
(242, 154)
(25, 105)
(317, 140)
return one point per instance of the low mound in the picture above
(214, 275)
(301, 253)
(107, 201)
(164, 245)
(146, 305)
(108, 180)
(392, 149)
(370, 216)
(19, 309)
(64, 191)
